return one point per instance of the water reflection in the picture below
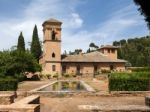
(65, 86)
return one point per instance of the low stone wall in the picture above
(6, 99)
(27, 104)
(129, 93)
(119, 108)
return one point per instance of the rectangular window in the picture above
(53, 67)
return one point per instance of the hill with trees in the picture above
(135, 50)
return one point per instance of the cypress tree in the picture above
(35, 44)
(21, 44)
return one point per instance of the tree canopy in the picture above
(136, 50)
(144, 9)
(93, 45)
(17, 62)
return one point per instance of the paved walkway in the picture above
(72, 104)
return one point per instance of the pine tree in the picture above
(21, 44)
(35, 44)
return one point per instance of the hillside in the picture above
(135, 50)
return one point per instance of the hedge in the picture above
(8, 84)
(139, 84)
(139, 81)
(142, 69)
(124, 75)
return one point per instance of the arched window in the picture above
(53, 55)
(53, 35)
(53, 67)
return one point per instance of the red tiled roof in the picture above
(90, 57)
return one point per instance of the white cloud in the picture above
(120, 22)
(35, 13)
(76, 20)
(73, 36)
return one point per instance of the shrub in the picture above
(55, 75)
(8, 84)
(66, 75)
(40, 76)
(20, 77)
(105, 71)
(123, 75)
(129, 84)
(48, 76)
(143, 69)
(96, 73)
(33, 78)
(139, 81)
(73, 75)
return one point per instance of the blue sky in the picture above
(84, 21)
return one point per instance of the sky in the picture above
(84, 21)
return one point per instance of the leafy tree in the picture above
(5, 61)
(116, 43)
(17, 62)
(35, 44)
(21, 44)
(144, 9)
(92, 45)
(122, 42)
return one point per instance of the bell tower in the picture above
(51, 58)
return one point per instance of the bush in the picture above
(20, 77)
(97, 73)
(105, 71)
(124, 75)
(129, 84)
(33, 78)
(73, 75)
(8, 84)
(143, 69)
(139, 81)
(55, 75)
(48, 76)
(66, 75)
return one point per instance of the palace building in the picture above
(105, 58)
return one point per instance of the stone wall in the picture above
(6, 99)
(88, 68)
(27, 104)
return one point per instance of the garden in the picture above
(14, 65)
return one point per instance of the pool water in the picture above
(68, 86)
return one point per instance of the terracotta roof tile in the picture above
(90, 57)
